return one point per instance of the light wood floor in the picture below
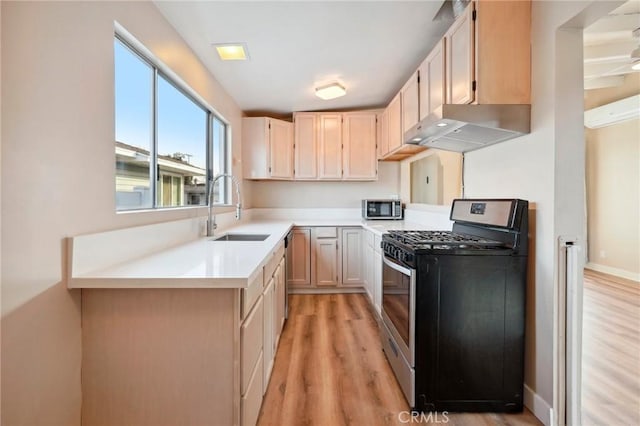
(610, 351)
(330, 370)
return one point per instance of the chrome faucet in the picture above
(211, 221)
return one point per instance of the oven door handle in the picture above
(394, 265)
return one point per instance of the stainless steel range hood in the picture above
(463, 128)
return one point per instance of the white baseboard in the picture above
(613, 271)
(538, 406)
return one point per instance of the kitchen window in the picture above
(168, 144)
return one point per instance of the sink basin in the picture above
(241, 237)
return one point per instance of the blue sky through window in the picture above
(182, 124)
(134, 88)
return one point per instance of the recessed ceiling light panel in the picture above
(330, 91)
(232, 51)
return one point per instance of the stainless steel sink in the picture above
(241, 237)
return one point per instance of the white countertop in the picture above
(203, 263)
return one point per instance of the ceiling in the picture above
(608, 44)
(371, 47)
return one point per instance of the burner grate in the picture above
(434, 239)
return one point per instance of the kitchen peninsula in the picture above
(186, 329)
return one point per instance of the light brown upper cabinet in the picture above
(268, 148)
(330, 146)
(394, 123)
(503, 52)
(488, 54)
(359, 160)
(305, 145)
(383, 133)
(432, 81)
(410, 102)
(335, 146)
(459, 42)
(483, 58)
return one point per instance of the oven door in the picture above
(399, 305)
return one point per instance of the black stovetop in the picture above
(403, 246)
(432, 239)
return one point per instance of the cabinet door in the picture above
(252, 400)
(359, 145)
(305, 146)
(268, 331)
(280, 296)
(352, 257)
(255, 144)
(299, 258)
(280, 149)
(251, 345)
(394, 123)
(432, 82)
(377, 281)
(459, 44)
(326, 251)
(330, 146)
(410, 103)
(367, 265)
(383, 133)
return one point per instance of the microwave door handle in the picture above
(393, 209)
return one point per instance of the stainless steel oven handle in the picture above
(393, 265)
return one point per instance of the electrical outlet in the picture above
(603, 254)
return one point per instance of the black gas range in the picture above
(453, 308)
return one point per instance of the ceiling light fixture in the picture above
(330, 91)
(232, 51)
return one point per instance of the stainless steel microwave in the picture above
(382, 209)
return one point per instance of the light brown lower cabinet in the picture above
(327, 255)
(326, 258)
(180, 356)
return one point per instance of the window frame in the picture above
(160, 70)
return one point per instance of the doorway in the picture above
(611, 290)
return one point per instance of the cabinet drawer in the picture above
(272, 263)
(252, 398)
(251, 344)
(279, 253)
(326, 232)
(251, 294)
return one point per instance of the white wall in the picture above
(327, 193)
(58, 180)
(545, 167)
